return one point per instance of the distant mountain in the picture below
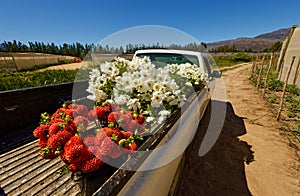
(259, 42)
(280, 34)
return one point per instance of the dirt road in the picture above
(251, 156)
(64, 66)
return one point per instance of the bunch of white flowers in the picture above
(139, 86)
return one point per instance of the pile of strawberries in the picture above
(66, 133)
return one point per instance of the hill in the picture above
(259, 42)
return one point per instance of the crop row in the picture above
(17, 80)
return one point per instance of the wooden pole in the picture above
(267, 75)
(260, 72)
(252, 69)
(297, 72)
(281, 68)
(284, 89)
(253, 72)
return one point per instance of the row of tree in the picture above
(76, 50)
(80, 51)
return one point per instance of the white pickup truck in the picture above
(156, 172)
(167, 159)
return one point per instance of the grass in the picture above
(228, 61)
(10, 80)
(37, 67)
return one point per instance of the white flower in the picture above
(133, 104)
(157, 98)
(173, 85)
(172, 100)
(163, 116)
(162, 89)
(142, 88)
(159, 78)
(121, 99)
(149, 119)
(136, 82)
(135, 75)
(147, 96)
(100, 95)
(188, 84)
(156, 86)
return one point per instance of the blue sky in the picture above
(91, 21)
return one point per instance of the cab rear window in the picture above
(161, 60)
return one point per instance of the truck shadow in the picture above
(221, 171)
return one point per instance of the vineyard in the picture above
(283, 98)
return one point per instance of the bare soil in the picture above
(252, 155)
(64, 66)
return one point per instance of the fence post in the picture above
(254, 64)
(267, 75)
(260, 72)
(284, 89)
(297, 71)
(280, 69)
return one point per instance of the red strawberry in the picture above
(71, 128)
(74, 153)
(59, 140)
(47, 153)
(110, 131)
(70, 106)
(131, 146)
(107, 109)
(57, 120)
(115, 108)
(92, 115)
(53, 142)
(113, 117)
(100, 154)
(74, 167)
(89, 140)
(92, 149)
(54, 128)
(63, 158)
(101, 135)
(81, 122)
(100, 112)
(125, 134)
(43, 142)
(81, 110)
(64, 136)
(91, 165)
(74, 141)
(110, 148)
(140, 119)
(41, 131)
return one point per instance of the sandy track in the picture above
(251, 156)
(64, 66)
